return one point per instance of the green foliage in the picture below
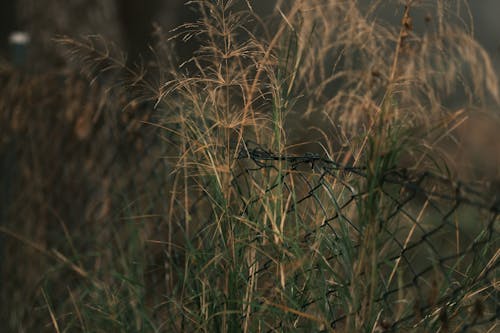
(200, 231)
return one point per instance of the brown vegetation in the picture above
(130, 206)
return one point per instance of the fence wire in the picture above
(437, 239)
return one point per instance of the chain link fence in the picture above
(435, 240)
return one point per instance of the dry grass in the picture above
(153, 228)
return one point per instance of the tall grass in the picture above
(226, 252)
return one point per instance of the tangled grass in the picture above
(166, 234)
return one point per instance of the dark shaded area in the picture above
(135, 20)
(84, 162)
(7, 23)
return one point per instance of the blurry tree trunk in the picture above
(7, 23)
(136, 18)
(7, 151)
(136, 22)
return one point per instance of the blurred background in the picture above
(129, 23)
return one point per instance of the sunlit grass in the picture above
(202, 235)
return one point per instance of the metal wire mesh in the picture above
(437, 240)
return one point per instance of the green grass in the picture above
(178, 232)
